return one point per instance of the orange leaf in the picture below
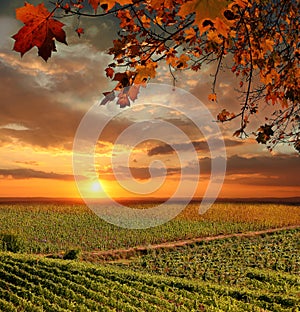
(145, 71)
(182, 61)
(221, 27)
(79, 31)
(212, 97)
(212, 35)
(40, 30)
(204, 10)
(109, 72)
(190, 33)
(241, 3)
(95, 4)
(223, 116)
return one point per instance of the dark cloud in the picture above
(46, 112)
(200, 146)
(267, 171)
(161, 150)
(34, 174)
(261, 170)
(271, 166)
(50, 123)
(31, 162)
(139, 173)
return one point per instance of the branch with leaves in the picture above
(258, 40)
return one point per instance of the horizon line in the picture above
(9, 199)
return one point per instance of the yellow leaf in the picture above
(144, 72)
(213, 36)
(158, 20)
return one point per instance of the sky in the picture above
(43, 104)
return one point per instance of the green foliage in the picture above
(229, 260)
(52, 228)
(73, 254)
(11, 242)
(35, 284)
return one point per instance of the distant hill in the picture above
(284, 200)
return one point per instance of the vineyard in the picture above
(245, 274)
(47, 228)
(237, 273)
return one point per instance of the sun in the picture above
(96, 187)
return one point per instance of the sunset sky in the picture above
(42, 104)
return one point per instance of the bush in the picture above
(11, 242)
(73, 254)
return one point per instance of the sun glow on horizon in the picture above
(96, 187)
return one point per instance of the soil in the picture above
(127, 254)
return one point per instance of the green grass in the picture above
(47, 228)
(29, 283)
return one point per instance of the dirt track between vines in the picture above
(141, 250)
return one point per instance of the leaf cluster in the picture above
(257, 40)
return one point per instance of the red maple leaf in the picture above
(109, 72)
(40, 30)
(80, 31)
(94, 4)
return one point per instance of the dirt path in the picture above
(114, 254)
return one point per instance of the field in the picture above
(259, 274)
(48, 228)
(256, 273)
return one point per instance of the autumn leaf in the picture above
(182, 61)
(203, 9)
(221, 27)
(212, 35)
(125, 79)
(264, 134)
(95, 4)
(123, 99)
(40, 30)
(224, 115)
(133, 92)
(109, 96)
(79, 31)
(145, 71)
(109, 72)
(190, 34)
(212, 97)
(161, 4)
(67, 8)
(241, 3)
